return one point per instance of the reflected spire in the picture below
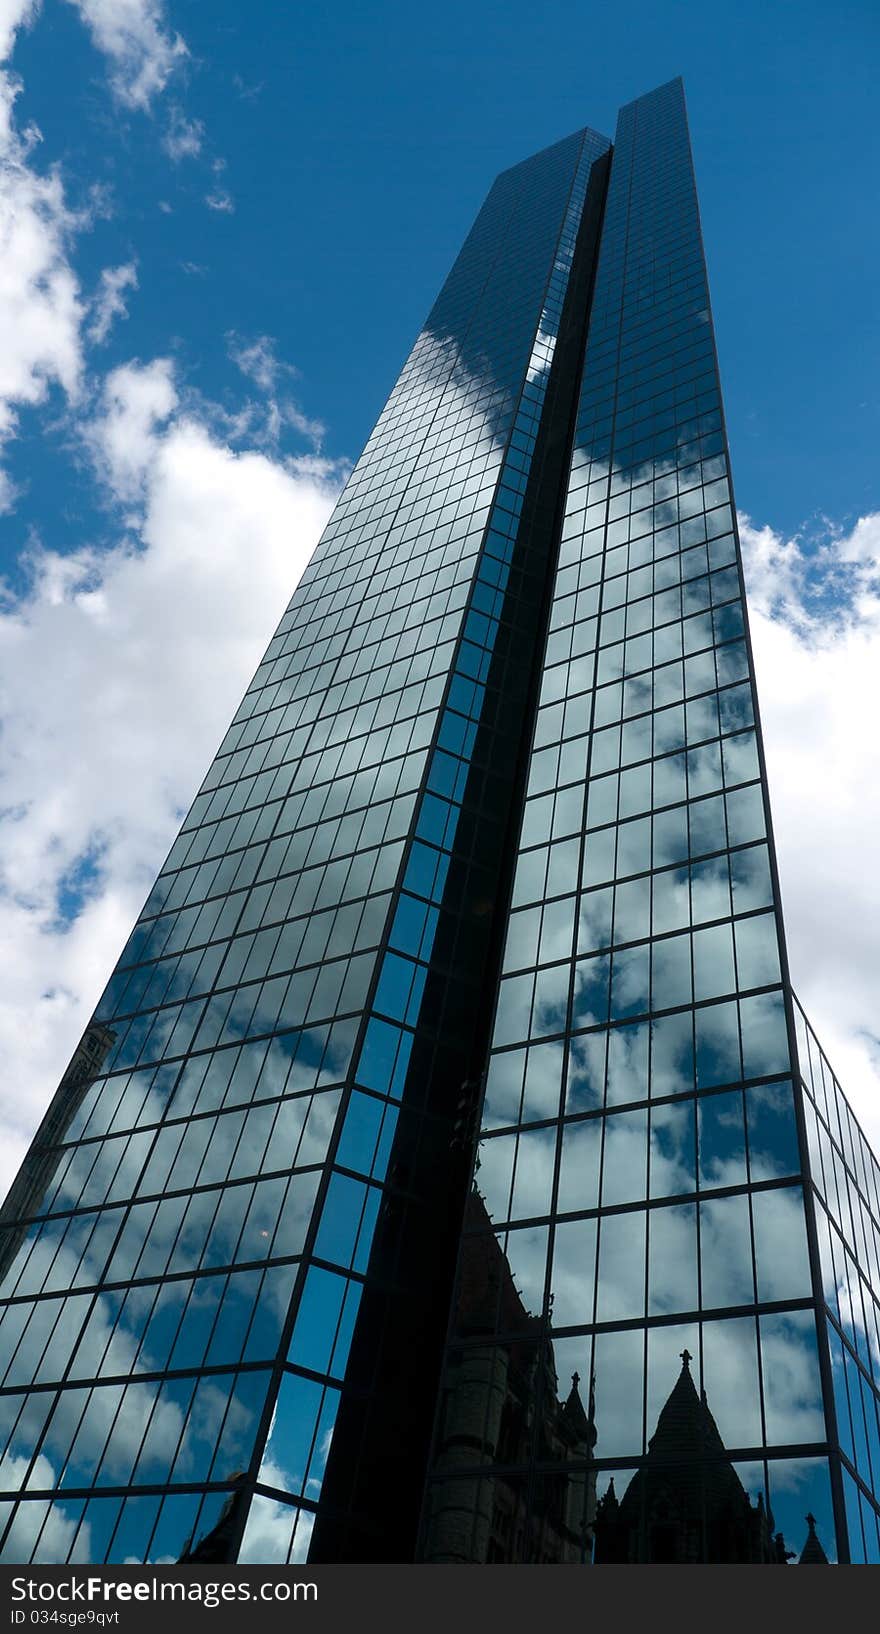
(686, 1503)
(812, 1553)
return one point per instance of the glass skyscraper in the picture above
(448, 1172)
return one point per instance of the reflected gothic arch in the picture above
(686, 1505)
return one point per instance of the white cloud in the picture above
(245, 91)
(221, 200)
(14, 14)
(183, 138)
(41, 311)
(100, 756)
(109, 303)
(272, 1525)
(137, 400)
(815, 619)
(141, 50)
(257, 361)
(42, 1531)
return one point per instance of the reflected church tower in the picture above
(686, 1505)
(812, 1553)
(500, 1401)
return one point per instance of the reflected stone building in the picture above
(453, 1056)
(477, 1519)
(686, 1504)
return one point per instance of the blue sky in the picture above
(358, 142)
(228, 235)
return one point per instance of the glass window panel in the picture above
(602, 800)
(764, 1035)
(533, 1173)
(722, 1140)
(670, 786)
(633, 847)
(591, 991)
(562, 867)
(781, 1256)
(710, 890)
(521, 948)
(670, 837)
(606, 749)
(704, 765)
(669, 732)
(341, 1219)
(713, 962)
(621, 1278)
(632, 910)
(717, 1045)
(599, 851)
(635, 739)
(624, 1167)
(291, 1444)
(672, 1149)
(751, 879)
(671, 972)
(730, 1379)
(706, 826)
(557, 930)
(537, 820)
(526, 1252)
(726, 1274)
(757, 951)
(841, 1395)
(579, 1171)
(745, 814)
(543, 1081)
(630, 982)
(671, 900)
(619, 1370)
(585, 1085)
(514, 1009)
(672, 1260)
(627, 1073)
(319, 1322)
(672, 1054)
(573, 1274)
(594, 920)
(792, 1387)
(504, 1083)
(550, 1007)
(635, 791)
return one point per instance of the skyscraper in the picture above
(447, 1171)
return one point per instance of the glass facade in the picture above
(483, 864)
(846, 1188)
(640, 1166)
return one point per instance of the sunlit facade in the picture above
(434, 1178)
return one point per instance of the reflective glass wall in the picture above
(185, 1252)
(634, 1369)
(846, 1181)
